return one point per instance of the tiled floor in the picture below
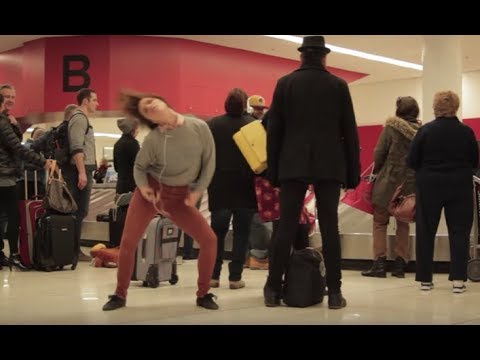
(76, 297)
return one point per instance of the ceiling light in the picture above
(360, 54)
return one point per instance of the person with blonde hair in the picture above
(444, 154)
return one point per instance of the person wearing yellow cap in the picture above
(257, 105)
(257, 257)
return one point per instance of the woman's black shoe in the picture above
(15, 261)
(4, 261)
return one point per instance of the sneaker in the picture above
(336, 301)
(459, 287)
(426, 286)
(214, 283)
(237, 284)
(258, 264)
(114, 303)
(207, 302)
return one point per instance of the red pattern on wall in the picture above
(474, 123)
(368, 139)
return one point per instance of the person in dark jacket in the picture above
(37, 133)
(10, 148)
(231, 191)
(392, 171)
(124, 153)
(312, 138)
(260, 233)
(443, 154)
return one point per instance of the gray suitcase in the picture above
(155, 260)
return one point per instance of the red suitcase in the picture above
(30, 211)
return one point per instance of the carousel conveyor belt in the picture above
(355, 230)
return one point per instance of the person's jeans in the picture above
(220, 221)
(259, 238)
(9, 205)
(81, 197)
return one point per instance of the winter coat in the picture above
(312, 133)
(124, 153)
(390, 160)
(11, 149)
(232, 185)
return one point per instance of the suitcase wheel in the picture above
(174, 279)
(473, 270)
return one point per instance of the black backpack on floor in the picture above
(305, 278)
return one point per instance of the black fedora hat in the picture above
(314, 42)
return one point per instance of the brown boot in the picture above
(256, 264)
(237, 284)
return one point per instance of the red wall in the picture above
(369, 136)
(193, 76)
(96, 48)
(147, 64)
(11, 64)
(368, 139)
(32, 93)
(474, 123)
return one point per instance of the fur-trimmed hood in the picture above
(404, 127)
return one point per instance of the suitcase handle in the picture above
(35, 186)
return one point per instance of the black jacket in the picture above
(444, 145)
(12, 149)
(312, 133)
(124, 153)
(232, 185)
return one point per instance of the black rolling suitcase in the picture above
(56, 244)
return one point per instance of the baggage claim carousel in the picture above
(355, 232)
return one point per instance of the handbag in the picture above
(251, 140)
(305, 278)
(58, 197)
(268, 202)
(360, 198)
(402, 207)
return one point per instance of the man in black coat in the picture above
(312, 138)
